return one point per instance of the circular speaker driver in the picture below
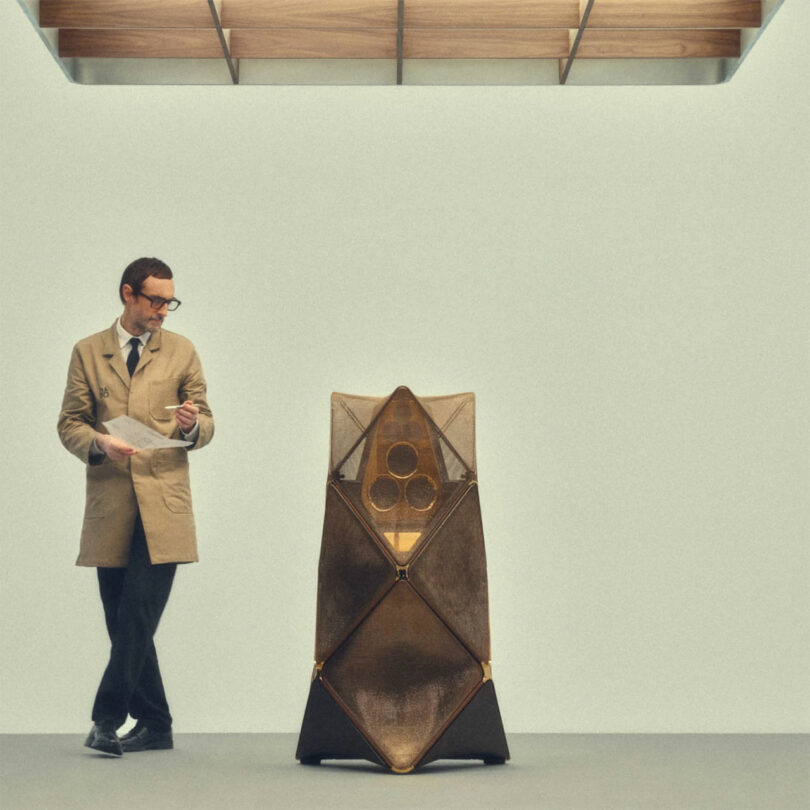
(402, 460)
(420, 492)
(383, 493)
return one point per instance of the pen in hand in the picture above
(175, 407)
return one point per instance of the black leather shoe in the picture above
(102, 738)
(142, 738)
(137, 729)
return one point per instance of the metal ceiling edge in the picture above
(54, 53)
(772, 7)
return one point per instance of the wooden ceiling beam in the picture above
(292, 43)
(383, 13)
(366, 14)
(124, 14)
(676, 14)
(140, 43)
(502, 43)
(361, 14)
(302, 43)
(658, 44)
(492, 13)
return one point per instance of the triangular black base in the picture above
(327, 733)
(477, 733)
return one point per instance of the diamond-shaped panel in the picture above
(353, 573)
(402, 676)
(450, 573)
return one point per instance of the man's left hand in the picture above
(186, 416)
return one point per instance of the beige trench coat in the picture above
(156, 482)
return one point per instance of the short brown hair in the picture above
(140, 270)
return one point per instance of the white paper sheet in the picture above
(138, 435)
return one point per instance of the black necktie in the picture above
(132, 360)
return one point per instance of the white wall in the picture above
(620, 274)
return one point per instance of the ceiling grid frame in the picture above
(130, 41)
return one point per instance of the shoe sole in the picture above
(104, 751)
(161, 746)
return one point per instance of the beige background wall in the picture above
(621, 275)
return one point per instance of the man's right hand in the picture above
(114, 449)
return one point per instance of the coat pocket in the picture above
(161, 394)
(108, 489)
(171, 469)
(97, 503)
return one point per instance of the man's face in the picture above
(139, 316)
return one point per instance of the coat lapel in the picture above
(112, 351)
(149, 352)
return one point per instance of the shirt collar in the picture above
(124, 337)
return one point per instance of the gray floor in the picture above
(547, 771)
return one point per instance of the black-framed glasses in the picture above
(157, 302)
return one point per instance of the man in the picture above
(138, 522)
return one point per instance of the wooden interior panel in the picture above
(298, 43)
(676, 14)
(125, 14)
(358, 14)
(138, 43)
(503, 43)
(491, 13)
(658, 44)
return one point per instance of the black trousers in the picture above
(134, 598)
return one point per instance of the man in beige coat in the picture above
(138, 522)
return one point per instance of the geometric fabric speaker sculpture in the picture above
(402, 652)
